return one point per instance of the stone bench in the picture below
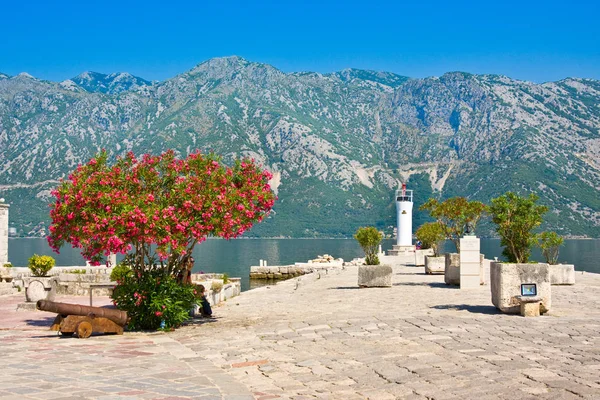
(530, 305)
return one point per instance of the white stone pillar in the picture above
(3, 232)
(469, 262)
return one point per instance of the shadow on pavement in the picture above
(411, 273)
(45, 321)
(344, 287)
(490, 310)
(431, 284)
(200, 321)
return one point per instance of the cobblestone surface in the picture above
(327, 339)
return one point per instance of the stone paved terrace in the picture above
(327, 339)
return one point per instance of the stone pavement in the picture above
(328, 339)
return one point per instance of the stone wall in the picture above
(3, 233)
(291, 271)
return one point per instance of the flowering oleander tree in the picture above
(156, 209)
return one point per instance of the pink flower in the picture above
(158, 313)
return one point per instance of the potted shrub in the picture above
(5, 273)
(431, 235)
(516, 218)
(457, 217)
(372, 274)
(560, 274)
(40, 286)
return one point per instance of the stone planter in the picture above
(562, 274)
(374, 276)
(506, 280)
(434, 265)
(420, 256)
(452, 270)
(40, 288)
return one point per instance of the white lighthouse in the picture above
(404, 207)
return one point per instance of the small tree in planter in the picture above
(431, 235)
(454, 215)
(515, 218)
(369, 238)
(550, 242)
(372, 274)
(40, 286)
(560, 274)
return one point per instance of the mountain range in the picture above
(338, 144)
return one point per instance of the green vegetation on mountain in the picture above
(338, 144)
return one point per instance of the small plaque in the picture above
(528, 289)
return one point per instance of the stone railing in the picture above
(219, 291)
(292, 271)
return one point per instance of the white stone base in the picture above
(562, 274)
(398, 250)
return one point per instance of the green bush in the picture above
(40, 265)
(119, 272)
(152, 298)
(7, 265)
(225, 279)
(216, 286)
(76, 271)
(456, 216)
(369, 238)
(550, 242)
(431, 235)
(515, 218)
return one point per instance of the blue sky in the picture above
(530, 40)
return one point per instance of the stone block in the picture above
(506, 280)
(530, 306)
(375, 276)
(469, 281)
(40, 288)
(452, 269)
(434, 265)
(420, 256)
(562, 274)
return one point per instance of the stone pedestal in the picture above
(420, 256)
(470, 263)
(398, 250)
(562, 274)
(506, 280)
(452, 270)
(374, 276)
(434, 265)
(40, 288)
(3, 233)
(530, 306)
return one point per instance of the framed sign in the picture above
(528, 289)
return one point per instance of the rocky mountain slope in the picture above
(338, 144)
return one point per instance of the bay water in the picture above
(235, 257)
